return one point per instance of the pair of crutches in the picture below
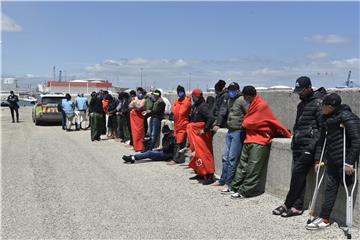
(349, 192)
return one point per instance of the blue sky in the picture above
(259, 43)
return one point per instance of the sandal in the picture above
(291, 213)
(279, 210)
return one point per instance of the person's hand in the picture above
(349, 170)
(143, 113)
(216, 128)
(316, 167)
(201, 132)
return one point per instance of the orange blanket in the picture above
(261, 124)
(203, 160)
(181, 110)
(137, 121)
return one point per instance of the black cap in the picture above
(219, 86)
(233, 86)
(302, 83)
(249, 91)
(332, 99)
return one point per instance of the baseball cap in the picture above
(332, 99)
(302, 83)
(197, 92)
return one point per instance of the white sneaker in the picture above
(317, 224)
(127, 142)
(226, 191)
(183, 150)
(237, 196)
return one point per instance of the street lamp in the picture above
(141, 70)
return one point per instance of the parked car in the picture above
(46, 109)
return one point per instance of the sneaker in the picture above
(317, 224)
(237, 196)
(183, 150)
(226, 191)
(196, 177)
(128, 159)
(127, 142)
(208, 181)
(217, 184)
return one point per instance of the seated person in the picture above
(163, 154)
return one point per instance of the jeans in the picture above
(230, 157)
(153, 155)
(155, 124)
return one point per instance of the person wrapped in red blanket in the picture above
(261, 127)
(200, 139)
(137, 120)
(181, 110)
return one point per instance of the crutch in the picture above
(317, 184)
(349, 192)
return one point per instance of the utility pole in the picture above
(60, 75)
(141, 77)
(54, 73)
(189, 81)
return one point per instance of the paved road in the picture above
(58, 184)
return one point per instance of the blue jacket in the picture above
(81, 103)
(68, 106)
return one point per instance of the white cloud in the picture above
(328, 39)
(168, 73)
(347, 63)
(318, 55)
(9, 25)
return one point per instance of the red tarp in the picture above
(181, 110)
(203, 160)
(261, 124)
(137, 121)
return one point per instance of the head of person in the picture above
(249, 93)
(330, 103)
(303, 87)
(219, 86)
(156, 94)
(93, 94)
(165, 130)
(11, 92)
(210, 100)
(120, 95)
(132, 93)
(181, 92)
(81, 95)
(68, 97)
(233, 89)
(140, 93)
(196, 95)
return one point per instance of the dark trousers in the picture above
(334, 176)
(302, 165)
(119, 127)
(97, 125)
(63, 120)
(12, 109)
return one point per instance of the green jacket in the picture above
(237, 110)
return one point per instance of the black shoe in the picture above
(13, 121)
(208, 181)
(128, 159)
(196, 177)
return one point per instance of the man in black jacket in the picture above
(336, 117)
(306, 135)
(96, 116)
(13, 105)
(164, 154)
(220, 99)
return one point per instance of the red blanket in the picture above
(203, 160)
(261, 124)
(181, 110)
(137, 121)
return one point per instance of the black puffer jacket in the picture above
(335, 138)
(307, 126)
(218, 112)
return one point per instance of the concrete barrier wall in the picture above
(284, 102)
(277, 178)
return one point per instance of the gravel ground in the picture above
(58, 184)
